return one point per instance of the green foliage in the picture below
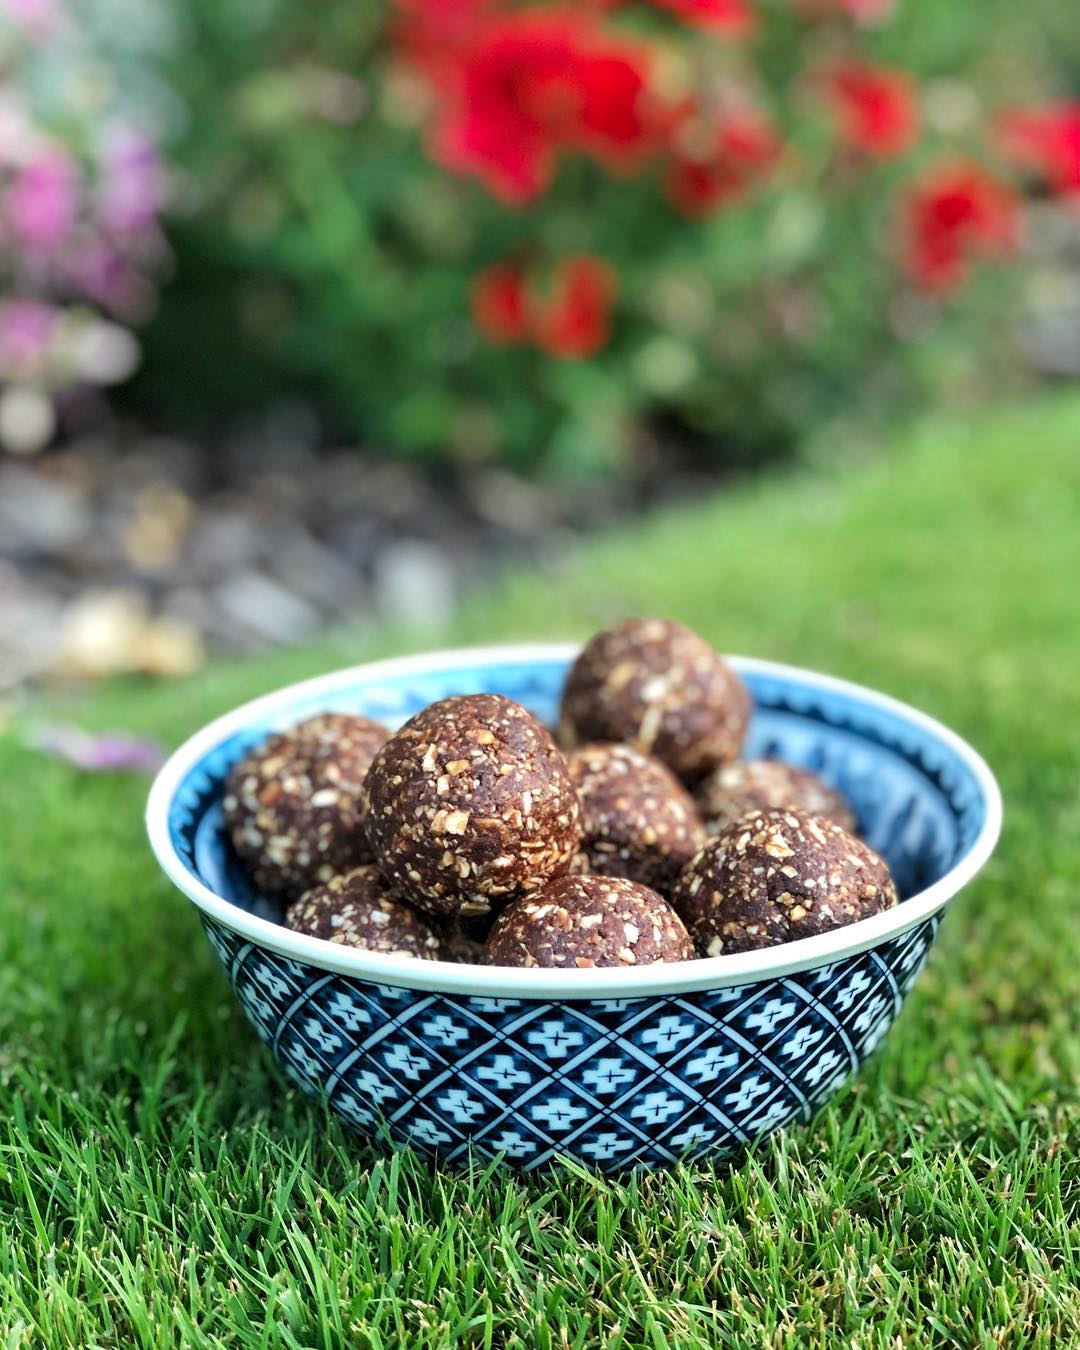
(323, 251)
(160, 1184)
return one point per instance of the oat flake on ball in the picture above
(583, 922)
(639, 820)
(471, 804)
(746, 785)
(292, 805)
(661, 688)
(775, 876)
(355, 910)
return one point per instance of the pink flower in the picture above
(133, 182)
(108, 752)
(41, 203)
(102, 274)
(869, 13)
(27, 328)
(38, 19)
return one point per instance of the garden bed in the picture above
(131, 551)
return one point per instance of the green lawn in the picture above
(160, 1185)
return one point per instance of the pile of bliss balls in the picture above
(472, 834)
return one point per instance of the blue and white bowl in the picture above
(611, 1067)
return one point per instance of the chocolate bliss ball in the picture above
(292, 805)
(746, 785)
(775, 876)
(355, 910)
(589, 921)
(663, 690)
(471, 804)
(639, 820)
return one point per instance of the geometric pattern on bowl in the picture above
(612, 1081)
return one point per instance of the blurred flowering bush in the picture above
(81, 189)
(486, 227)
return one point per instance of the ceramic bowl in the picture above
(610, 1067)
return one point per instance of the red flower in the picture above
(434, 32)
(499, 303)
(957, 211)
(532, 83)
(575, 320)
(611, 121)
(738, 152)
(875, 107)
(734, 18)
(1048, 140)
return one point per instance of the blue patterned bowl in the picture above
(611, 1067)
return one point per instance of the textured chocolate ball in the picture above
(292, 805)
(745, 785)
(355, 910)
(660, 688)
(639, 820)
(582, 922)
(775, 876)
(471, 804)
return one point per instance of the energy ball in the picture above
(746, 785)
(586, 922)
(355, 910)
(292, 805)
(639, 820)
(663, 690)
(776, 876)
(471, 804)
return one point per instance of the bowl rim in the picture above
(711, 972)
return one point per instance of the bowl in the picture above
(611, 1067)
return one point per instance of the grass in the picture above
(160, 1185)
